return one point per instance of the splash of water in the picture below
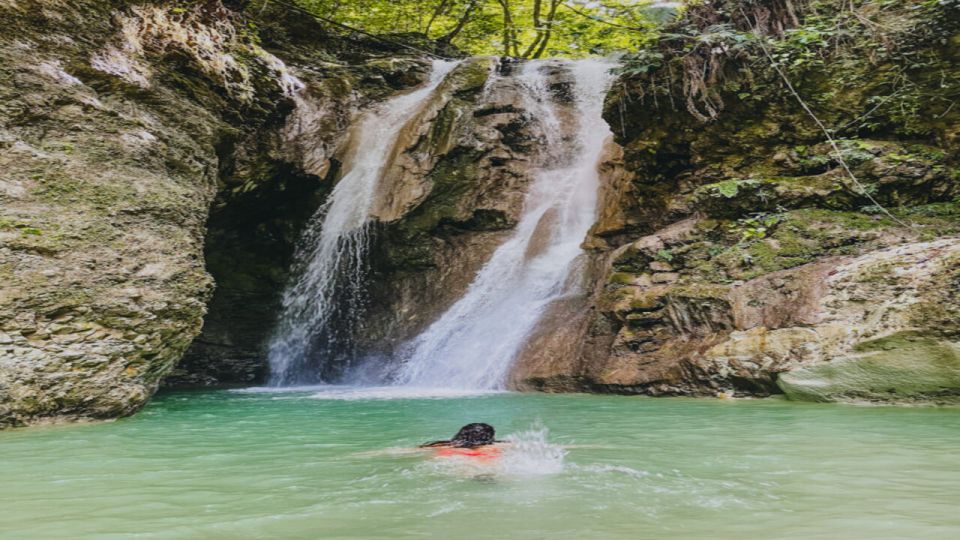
(330, 259)
(368, 393)
(474, 343)
(527, 453)
(530, 453)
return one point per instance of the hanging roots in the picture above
(708, 41)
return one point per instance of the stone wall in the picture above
(728, 219)
(121, 124)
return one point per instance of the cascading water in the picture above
(474, 343)
(330, 257)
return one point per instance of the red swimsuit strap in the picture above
(481, 451)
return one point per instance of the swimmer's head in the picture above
(473, 435)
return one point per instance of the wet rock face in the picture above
(876, 327)
(103, 207)
(274, 182)
(451, 196)
(733, 254)
(248, 250)
(882, 312)
(734, 298)
(119, 128)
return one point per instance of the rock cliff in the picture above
(159, 160)
(122, 124)
(739, 249)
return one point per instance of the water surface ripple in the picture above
(309, 464)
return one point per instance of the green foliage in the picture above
(529, 28)
(640, 62)
(872, 63)
(23, 228)
(756, 227)
(664, 255)
(729, 189)
(889, 51)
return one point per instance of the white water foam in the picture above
(530, 453)
(330, 258)
(527, 453)
(360, 393)
(474, 343)
(280, 389)
(393, 392)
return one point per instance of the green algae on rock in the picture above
(121, 126)
(732, 211)
(900, 368)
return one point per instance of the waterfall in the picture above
(474, 343)
(327, 289)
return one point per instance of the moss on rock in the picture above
(904, 367)
(711, 135)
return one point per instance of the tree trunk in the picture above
(441, 7)
(536, 25)
(509, 32)
(549, 28)
(461, 24)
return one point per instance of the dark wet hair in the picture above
(470, 436)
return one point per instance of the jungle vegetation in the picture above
(517, 28)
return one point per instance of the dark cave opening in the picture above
(250, 247)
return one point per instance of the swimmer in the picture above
(476, 440)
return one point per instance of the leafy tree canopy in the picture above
(520, 28)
